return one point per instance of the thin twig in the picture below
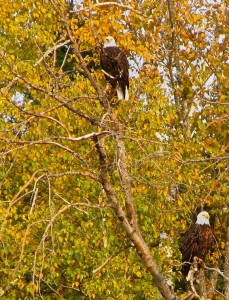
(85, 174)
(126, 7)
(110, 258)
(217, 158)
(50, 50)
(216, 270)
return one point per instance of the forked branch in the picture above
(135, 236)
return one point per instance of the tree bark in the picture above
(125, 219)
(202, 284)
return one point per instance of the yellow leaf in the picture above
(180, 202)
(180, 177)
(139, 274)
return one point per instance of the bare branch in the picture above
(47, 92)
(218, 158)
(88, 205)
(51, 288)
(30, 143)
(191, 279)
(45, 234)
(10, 84)
(141, 247)
(42, 115)
(23, 245)
(189, 294)
(42, 241)
(6, 174)
(78, 54)
(112, 77)
(84, 204)
(15, 198)
(104, 4)
(49, 141)
(34, 199)
(86, 136)
(125, 178)
(85, 174)
(110, 258)
(51, 50)
(216, 270)
(65, 58)
(58, 98)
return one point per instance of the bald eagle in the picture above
(196, 241)
(115, 66)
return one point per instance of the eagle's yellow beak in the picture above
(206, 217)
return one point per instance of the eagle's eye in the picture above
(206, 216)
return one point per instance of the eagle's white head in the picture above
(109, 42)
(203, 218)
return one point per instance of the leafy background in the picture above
(57, 226)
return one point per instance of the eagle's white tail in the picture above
(121, 95)
(126, 93)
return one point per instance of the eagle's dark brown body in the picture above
(115, 64)
(196, 241)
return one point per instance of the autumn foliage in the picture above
(95, 193)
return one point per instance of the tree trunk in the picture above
(128, 219)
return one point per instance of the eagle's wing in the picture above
(190, 243)
(197, 241)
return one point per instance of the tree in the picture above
(94, 194)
